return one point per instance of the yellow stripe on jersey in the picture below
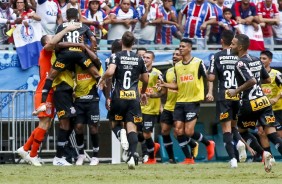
(154, 104)
(84, 81)
(171, 94)
(64, 76)
(271, 90)
(190, 87)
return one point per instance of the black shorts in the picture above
(87, 112)
(149, 122)
(63, 102)
(250, 119)
(67, 59)
(167, 117)
(186, 111)
(278, 117)
(227, 110)
(126, 111)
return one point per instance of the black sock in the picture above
(46, 88)
(182, 140)
(79, 141)
(267, 149)
(133, 141)
(253, 142)
(141, 139)
(150, 147)
(116, 131)
(236, 134)
(227, 139)
(199, 137)
(62, 138)
(168, 146)
(95, 143)
(277, 141)
(191, 142)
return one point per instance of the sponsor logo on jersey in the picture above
(59, 65)
(128, 95)
(83, 76)
(137, 119)
(227, 97)
(61, 113)
(223, 116)
(87, 62)
(186, 78)
(149, 90)
(259, 103)
(266, 91)
(118, 118)
(270, 119)
(75, 49)
(248, 124)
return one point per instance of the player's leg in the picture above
(166, 125)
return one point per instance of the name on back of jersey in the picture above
(125, 60)
(65, 24)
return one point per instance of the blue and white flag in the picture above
(27, 42)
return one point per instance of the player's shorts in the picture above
(66, 60)
(278, 117)
(126, 111)
(149, 122)
(87, 112)
(186, 111)
(49, 104)
(167, 117)
(250, 119)
(63, 101)
(227, 110)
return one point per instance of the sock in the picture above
(116, 131)
(199, 137)
(236, 135)
(182, 140)
(46, 88)
(79, 141)
(143, 144)
(252, 142)
(168, 146)
(29, 141)
(191, 142)
(277, 141)
(133, 141)
(38, 138)
(229, 145)
(61, 142)
(267, 149)
(95, 143)
(150, 147)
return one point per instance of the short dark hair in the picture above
(227, 10)
(227, 36)
(243, 40)
(267, 53)
(43, 40)
(141, 48)
(128, 39)
(151, 52)
(177, 48)
(72, 13)
(116, 46)
(187, 40)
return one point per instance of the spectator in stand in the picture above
(215, 31)
(95, 18)
(227, 22)
(50, 13)
(84, 5)
(245, 13)
(25, 12)
(7, 17)
(123, 18)
(199, 14)
(150, 16)
(63, 8)
(268, 15)
(277, 29)
(169, 27)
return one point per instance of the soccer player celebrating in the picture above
(126, 67)
(254, 106)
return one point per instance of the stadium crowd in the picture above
(133, 87)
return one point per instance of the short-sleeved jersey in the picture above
(85, 89)
(222, 64)
(246, 68)
(273, 89)
(171, 93)
(125, 79)
(44, 63)
(154, 104)
(73, 36)
(189, 78)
